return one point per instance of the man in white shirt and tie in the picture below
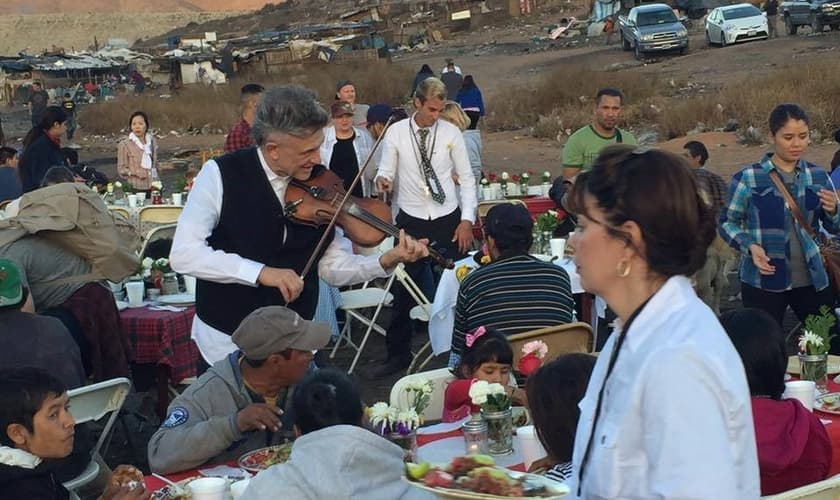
(422, 154)
(235, 236)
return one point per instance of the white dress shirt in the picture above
(191, 254)
(676, 420)
(401, 161)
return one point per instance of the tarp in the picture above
(602, 9)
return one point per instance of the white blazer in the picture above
(676, 419)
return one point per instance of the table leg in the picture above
(163, 376)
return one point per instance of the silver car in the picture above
(735, 23)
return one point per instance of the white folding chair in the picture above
(421, 312)
(157, 233)
(91, 403)
(440, 378)
(353, 302)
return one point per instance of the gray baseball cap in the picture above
(273, 329)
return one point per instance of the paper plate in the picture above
(177, 299)
(169, 493)
(556, 490)
(263, 458)
(828, 403)
(833, 364)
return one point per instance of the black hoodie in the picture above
(19, 483)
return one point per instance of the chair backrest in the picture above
(561, 339)
(152, 216)
(121, 211)
(485, 206)
(157, 233)
(92, 402)
(827, 489)
(439, 378)
(409, 284)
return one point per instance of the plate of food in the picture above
(177, 299)
(828, 403)
(833, 365)
(169, 492)
(263, 458)
(476, 477)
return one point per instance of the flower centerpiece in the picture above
(546, 177)
(163, 277)
(396, 425)
(524, 181)
(485, 182)
(503, 182)
(495, 407)
(532, 355)
(544, 228)
(814, 344)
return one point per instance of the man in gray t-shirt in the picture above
(41, 262)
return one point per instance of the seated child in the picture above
(334, 456)
(487, 356)
(37, 429)
(554, 392)
(793, 447)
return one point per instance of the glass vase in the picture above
(545, 241)
(499, 431)
(408, 442)
(815, 367)
(169, 284)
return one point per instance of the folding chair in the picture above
(152, 216)
(157, 233)
(561, 339)
(124, 212)
(485, 206)
(353, 301)
(439, 378)
(91, 403)
(421, 312)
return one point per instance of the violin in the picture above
(365, 221)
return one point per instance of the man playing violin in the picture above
(422, 154)
(235, 237)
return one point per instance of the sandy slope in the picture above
(66, 6)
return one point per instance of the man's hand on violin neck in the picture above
(407, 250)
(285, 280)
(464, 236)
(383, 184)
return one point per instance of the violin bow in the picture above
(347, 196)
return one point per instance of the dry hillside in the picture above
(34, 33)
(106, 6)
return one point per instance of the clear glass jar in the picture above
(475, 436)
(499, 431)
(169, 284)
(815, 367)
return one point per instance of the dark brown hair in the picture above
(656, 190)
(554, 392)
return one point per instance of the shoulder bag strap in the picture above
(791, 203)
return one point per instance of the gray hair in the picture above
(291, 110)
(431, 87)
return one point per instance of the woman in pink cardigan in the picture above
(137, 154)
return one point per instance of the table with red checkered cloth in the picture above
(162, 338)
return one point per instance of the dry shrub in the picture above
(198, 106)
(563, 99)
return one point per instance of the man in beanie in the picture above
(515, 292)
(239, 404)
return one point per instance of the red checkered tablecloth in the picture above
(162, 337)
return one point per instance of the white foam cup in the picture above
(208, 488)
(803, 390)
(529, 445)
(132, 201)
(134, 291)
(189, 284)
(558, 247)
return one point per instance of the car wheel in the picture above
(722, 39)
(625, 44)
(637, 51)
(816, 24)
(708, 39)
(789, 26)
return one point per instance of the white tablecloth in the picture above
(442, 321)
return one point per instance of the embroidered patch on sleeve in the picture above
(178, 416)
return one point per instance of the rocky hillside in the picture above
(108, 6)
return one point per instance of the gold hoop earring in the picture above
(623, 269)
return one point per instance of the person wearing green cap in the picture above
(39, 341)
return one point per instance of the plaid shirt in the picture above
(755, 213)
(239, 137)
(714, 185)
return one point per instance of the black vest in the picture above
(252, 225)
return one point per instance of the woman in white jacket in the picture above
(346, 147)
(334, 457)
(667, 411)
